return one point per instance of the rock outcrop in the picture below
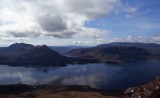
(150, 90)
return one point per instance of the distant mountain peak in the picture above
(130, 44)
(18, 45)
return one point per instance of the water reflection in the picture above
(135, 74)
(104, 76)
(89, 74)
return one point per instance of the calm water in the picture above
(104, 76)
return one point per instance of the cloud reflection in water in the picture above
(94, 75)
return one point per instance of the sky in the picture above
(79, 22)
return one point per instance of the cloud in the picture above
(156, 38)
(86, 32)
(130, 10)
(92, 42)
(148, 26)
(91, 36)
(61, 35)
(52, 23)
(22, 34)
(133, 39)
(56, 18)
(11, 39)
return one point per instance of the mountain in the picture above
(136, 44)
(61, 49)
(64, 49)
(152, 48)
(21, 54)
(26, 54)
(111, 54)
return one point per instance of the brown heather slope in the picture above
(26, 91)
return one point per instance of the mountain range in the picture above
(21, 54)
(119, 52)
(152, 48)
(64, 49)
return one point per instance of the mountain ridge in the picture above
(21, 54)
(26, 54)
(119, 52)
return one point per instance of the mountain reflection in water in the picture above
(104, 76)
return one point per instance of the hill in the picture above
(117, 52)
(21, 54)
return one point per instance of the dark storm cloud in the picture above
(62, 35)
(52, 23)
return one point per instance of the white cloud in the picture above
(87, 32)
(134, 39)
(148, 26)
(156, 39)
(57, 18)
(10, 39)
(90, 42)
(128, 16)
(130, 10)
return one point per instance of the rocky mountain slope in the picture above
(150, 90)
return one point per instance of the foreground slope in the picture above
(49, 91)
(149, 90)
